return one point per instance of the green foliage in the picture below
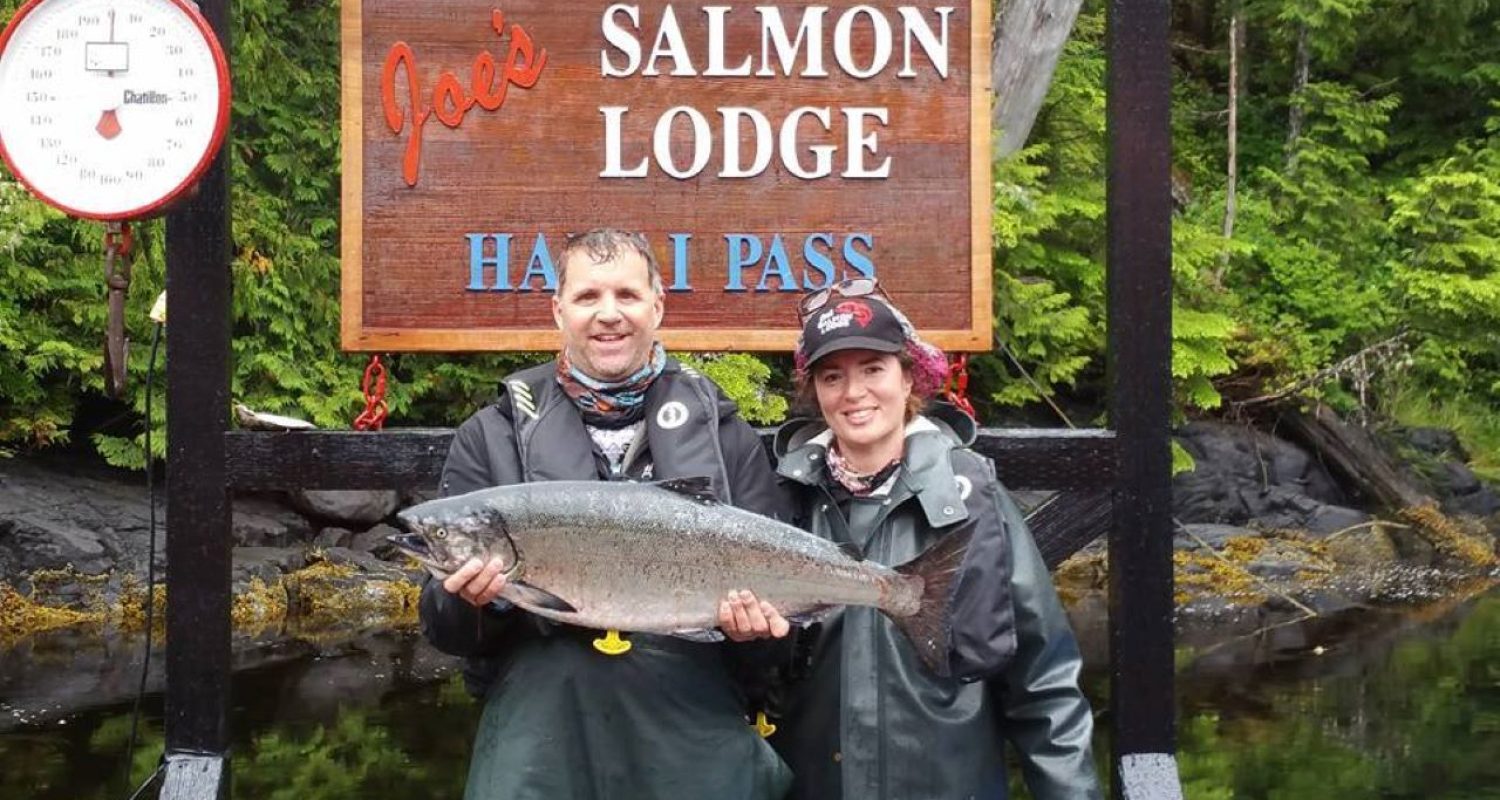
(1475, 421)
(1445, 261)
(1312, 284)
(91, 767)
(1049, 242)
(743, 377)
(49, 269)
(1206, 772)
(340, 760)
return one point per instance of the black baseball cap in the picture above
(852, 323)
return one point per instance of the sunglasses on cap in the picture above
(852, 287)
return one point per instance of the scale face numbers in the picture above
(111, 109)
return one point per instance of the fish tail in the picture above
(930, 628)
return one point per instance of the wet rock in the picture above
(37, 542)
(1274, 568)
(1484, 503)
(67, 515)
(411, 497)
(374, 541)
(363, 561)
(1439, 442)
(266, 563)
(1243, 476)
(260, 521)
(1412, 547)
(1434, 459)
(254, 530)
(1363, 548)
(351, 590)
(1463, 493)
(1195, 535)
(1329, 601)
(333, 537)
(1327, 519)
(1456, 479)
(359, 509)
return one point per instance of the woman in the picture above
(866, 719)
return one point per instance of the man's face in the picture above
(608, 314)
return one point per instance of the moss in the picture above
(259, 606)
(50, 586)
(1077, 576)
(21, 615)
(1226, 573)
(323, 596)
(1197, 576)
(131, 609)
(337, 596)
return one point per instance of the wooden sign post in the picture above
(763, 150)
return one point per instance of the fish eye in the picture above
(440, 533)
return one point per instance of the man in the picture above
(563, 718)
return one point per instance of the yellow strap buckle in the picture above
(612, 644)
(763, 726)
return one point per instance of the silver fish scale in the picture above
(641, 558)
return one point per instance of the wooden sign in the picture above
(764, 150)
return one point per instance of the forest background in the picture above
(1336, 178)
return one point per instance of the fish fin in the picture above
(931, 628)
(852, 550)
(699, 635)
(525, 594)
(697, 488)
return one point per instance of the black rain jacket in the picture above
(562, 720)
(868, 721)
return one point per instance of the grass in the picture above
(1476, 423)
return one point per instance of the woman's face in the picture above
(862, 394)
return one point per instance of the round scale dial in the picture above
(112, 109)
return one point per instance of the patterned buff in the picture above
(858, 485)
(610, 404)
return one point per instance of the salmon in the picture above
(659, 558)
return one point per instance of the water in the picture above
(1380, 706)
(1400, 707)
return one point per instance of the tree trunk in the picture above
(1299, 85)
(1232, 169)
(1028, 39)
(1352, 452)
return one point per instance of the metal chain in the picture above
(957, 389)
(373, 386)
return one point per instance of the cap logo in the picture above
(843, 315)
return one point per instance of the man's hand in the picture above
(477, 582)
(743, 618)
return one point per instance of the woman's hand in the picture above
(477, 582)
(744, 618)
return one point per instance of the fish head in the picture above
(442, 537)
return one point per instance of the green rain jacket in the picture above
(562, 720)
(866, 720)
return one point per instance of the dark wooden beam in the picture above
(413, 458)
(1139, 284)
(1050, 458)
(1069, 522)
(198, 517)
